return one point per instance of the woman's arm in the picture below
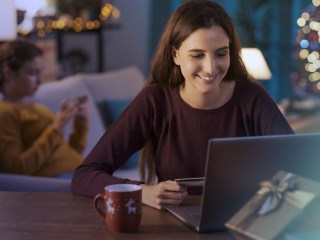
(122, 139)
(24, 153)
(126, 136)
(78, 136)
(267, 117)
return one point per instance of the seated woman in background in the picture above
(31, 137)
(198, 89)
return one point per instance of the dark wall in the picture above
(270, 25)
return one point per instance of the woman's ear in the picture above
(7, 73)
(175, 55)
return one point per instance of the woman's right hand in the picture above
(163, 194)
(65, 113)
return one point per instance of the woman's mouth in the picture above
(207, 78)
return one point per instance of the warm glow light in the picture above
(301, 22)
(40, 24)
(316, 2)
(311, 68)
(312, 57)
(304, 53)
(316, 54)
(313, 77)
(78, 21)
(116, 13)
(314, 25)
(255, 63)
(317, 63)
(90, 25)
(60, 24)
(108, 11)
(8, 19)
(306, 67)
(306, 29)
(305, 15)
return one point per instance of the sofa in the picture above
(109, 93)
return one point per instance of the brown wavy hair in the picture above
(14, 54)
(189, 17)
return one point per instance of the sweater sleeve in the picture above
(23, 153)
(267, 119)
(78, 136)
(127, 135)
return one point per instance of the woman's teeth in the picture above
(206, 78)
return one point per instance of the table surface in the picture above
(25, 215)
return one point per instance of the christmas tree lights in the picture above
(307, 78)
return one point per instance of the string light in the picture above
(79, 24)
(308, 41)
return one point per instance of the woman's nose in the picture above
(38, 79)
(209, 66)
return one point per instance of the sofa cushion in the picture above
(18, 183)
(114, 108)
(113, 91)
(52, 93)
(123, 83)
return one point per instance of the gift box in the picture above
(305, 235)
(281, 206)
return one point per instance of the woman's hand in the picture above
(83, 111)
(67, 111)
(162, 194)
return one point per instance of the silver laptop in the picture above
(234, 168)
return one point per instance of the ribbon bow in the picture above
(271, 195)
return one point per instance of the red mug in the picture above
(122, 207)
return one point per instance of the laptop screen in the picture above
(235, 166)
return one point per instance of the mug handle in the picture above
(98, 198)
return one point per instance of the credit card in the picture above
(191, 182)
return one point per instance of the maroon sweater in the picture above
(181, 133)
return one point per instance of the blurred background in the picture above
(103, 35)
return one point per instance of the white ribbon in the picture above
(284, 190)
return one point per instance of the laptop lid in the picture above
(235, 166)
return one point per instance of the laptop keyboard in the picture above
(194, 216)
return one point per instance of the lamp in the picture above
(8, 20)
(255, 63)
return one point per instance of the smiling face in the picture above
(204, 60)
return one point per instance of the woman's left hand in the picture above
(82, 107)
(162, 194)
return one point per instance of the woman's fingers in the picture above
(64, 104)
(162, 194)
(171, 190)
(69, 109)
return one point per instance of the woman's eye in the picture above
(222, 54)
(197, 56)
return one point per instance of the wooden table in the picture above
(66, 216)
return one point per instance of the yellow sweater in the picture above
(29, 145)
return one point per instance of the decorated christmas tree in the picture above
(306, 78)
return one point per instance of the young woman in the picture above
(198, 89)
(31, 136)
